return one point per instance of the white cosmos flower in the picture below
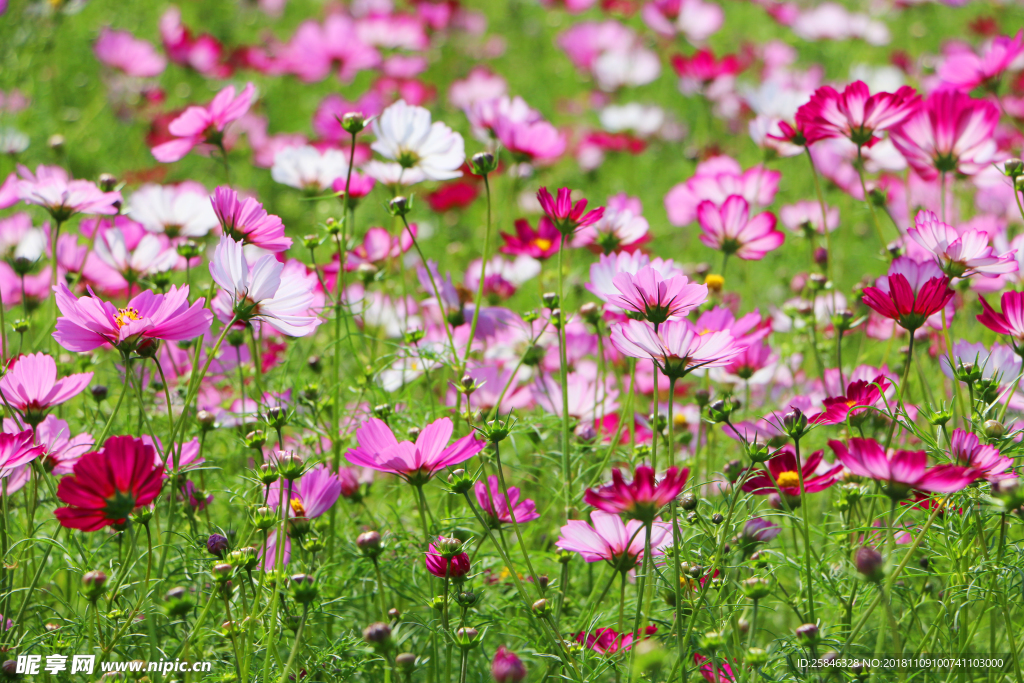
(406, 134)
(175, 210)
(392, 174)
(264, 291)
(32, 245)
(153, 253)
(307, 168)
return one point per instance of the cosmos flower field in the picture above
(448, 341)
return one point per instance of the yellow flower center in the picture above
(298, 508)
(542, 243)
(124, 315)
(788, 480)
(714, 282)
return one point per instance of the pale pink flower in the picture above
(609, 539)
(317, 49)
(622, 227)
(716, 180)
(960, 254)
(806, 215)
(948, 132)
(603, 272)
(53, 189)
(31, 386)
(418, 462)
(496, 508)
(407, 135)
(731, 230)
(695, 19)
(204, 125)
(174, 210)
(125, 52)
(677, 347)
(655, 297)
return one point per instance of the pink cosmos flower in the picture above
(566, 216)
(619, 544)
(640, 499)
(608, 641)
(695, 19)
(125, 52)
(267, 291)
(860, 395)
(53, 189)
(589, 398)
(378, 246)
(900, 472)
(716, 180)
(656, 297)
(416, 462)
(966, 449)
(677, 347)
(948, 132)
(731, 230)
(1010, 322)
(702, 68)
(109, 484)
(782, 473)
(507, 667)
(496, 509)
(603, 272)
(247, 221)
(532, 141)
(718, 671)
(16, 450)
(31, 386)
(855, 113)
(204, 53)
(542, 243)
(806, 216)
(622, 227)
(312, 495)
(204, 125)
(60, 450)
(315, 50)
(966, 70)
(453, 567)
(960, 254)
(910, 293)
(89, 322)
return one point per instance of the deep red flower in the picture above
(457, 195)
(607, 641)
(782, 468)
(641, 498)
(910, 293)
(860, 395)
(107, 485)
(542, 243)
(566, 216)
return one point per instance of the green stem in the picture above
(295, 645)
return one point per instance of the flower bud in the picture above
(483, 163)
(378, 634)
(245, 558)
(712, 640)
(717, 518)
(550, 300)
(794, 423)
(255, 439)
(99, 393)
(108, 181)
(264, 518)
(688, 501)
(177, 602)
(870, 563)
(460, 481)
(222, 572)
(304, 588)
(1013, 168)
(289, 465)
(406, 662)
(369, 543)
(400, 206)
(394, 614)
(93, 584)
(591, 312)
(733, 470)
(807, 634)
(277, 417)
(216, 545)
(993, 429)
(756, 588)
(507, 667)
(758, 452)
(353, 122)
(540, 607)
(756, 657)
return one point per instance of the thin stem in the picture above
(295, 645)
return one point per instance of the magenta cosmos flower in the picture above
(966, 449)
(901, 472)
(89, 322)
(107, 485)
(496, 508)
(640, 499)
(245, 220)
(1010, 322)
(16, 450)
(966, 70)
(507, 667)
(312, 495)
(53, 189)
(656, 297)
(960, 254)
(542, 243)
(677, 347)
(415, 462)
(731, 230)
(31, 386)
(782, 473)
(444, 564)
(948, 132)
(204, 125)
(566, 216)
(910, 293)
(123, 51)
(854, 114)
(619, 544)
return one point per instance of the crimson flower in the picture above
(855, 113)
(566, 216)
(542, 243)
(910, 293)
(1010, 322)
(900, 472)
(107, 485)
(444, 560)
(641, 498)
(608, 641)
(860, 395)
(782, 473)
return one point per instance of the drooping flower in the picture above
(204, 125)
(641, 498)
(265, 291)
(109, 484)
(948, 132)
(910, 293)
(542, 243)
(677, 347)
(960, 254)
(566, 216)
(89, 322)
(31, 386)
(416, 462)
(656, 297)
(246, 220)
(1010, 322)
(730, 229)
(782, 473)
(496, 508)
(53, 189)
(901, 472)
(855, 113)
(619, 544)
(406, 135)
